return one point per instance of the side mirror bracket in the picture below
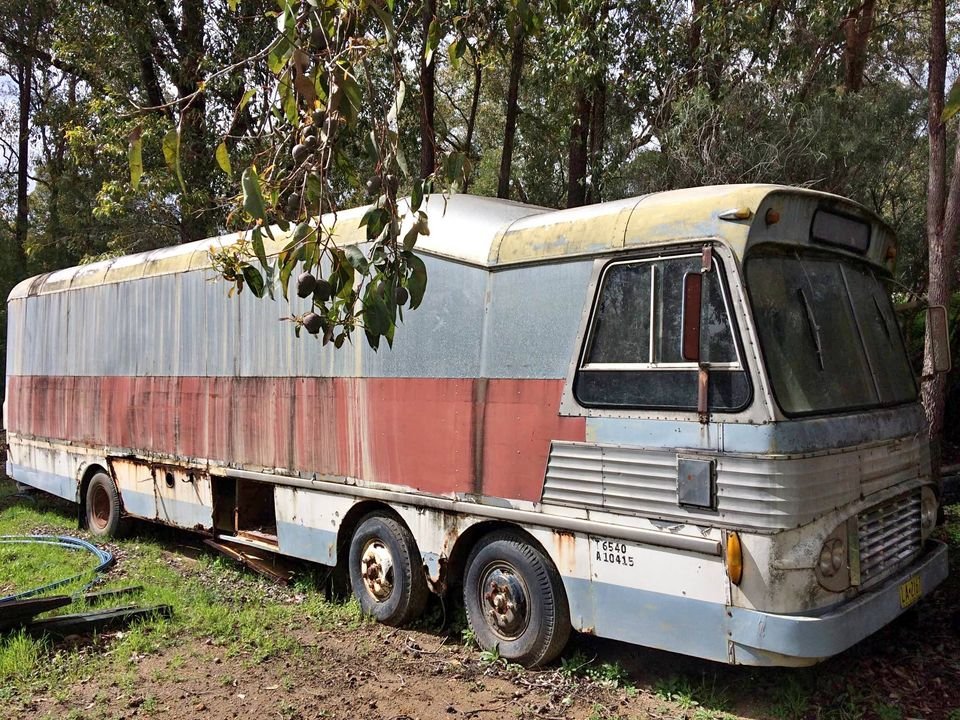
(691, 322)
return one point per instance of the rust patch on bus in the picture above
(479, 415)
(565, 551)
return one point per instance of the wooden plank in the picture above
(18, 612)
(92, 597)
(97, 621)
(261, 561)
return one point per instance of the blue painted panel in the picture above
(654, 433)
(183, 514)
(307, 543)
(667, 622)
(780, 438)
(823, 433)
(140, 504)
(534, 316)
(59, 485)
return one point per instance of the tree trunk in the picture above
(428, 74)
(694, 36)
(943, 218)
(513, 111)
(472, 119)
(598, 119)
(195, 159)
(857, 26)
(579, 133)
(25, 88)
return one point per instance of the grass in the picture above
(27, 566)
(707, 697)
(604, 673)
(214, 602)
(20, 657)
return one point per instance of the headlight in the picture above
(833, 565)
(928, 511)
(833, 556)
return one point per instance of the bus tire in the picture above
(385, 571)
(104, 512)
(515, 601)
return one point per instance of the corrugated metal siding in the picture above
(533, 319)
(186, 325)
(438, 435)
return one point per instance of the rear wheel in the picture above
(104, 511)
(515, 600)
(385, 570)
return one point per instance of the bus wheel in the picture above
(515, 600)
(104, 512)
(385, 572)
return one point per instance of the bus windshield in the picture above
(828, 333)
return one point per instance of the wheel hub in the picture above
(376, 568)
(101, 507)
(505, 602)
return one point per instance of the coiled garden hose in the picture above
(71, 543)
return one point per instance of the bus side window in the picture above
(633, 356)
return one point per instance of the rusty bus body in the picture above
(535, 400)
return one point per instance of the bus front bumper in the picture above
(758, 638)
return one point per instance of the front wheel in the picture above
(385, 570)
(515, 600)
(104, 511)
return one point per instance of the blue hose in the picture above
(70, 543)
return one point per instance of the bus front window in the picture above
(828, 333)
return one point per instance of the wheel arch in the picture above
(352, 519)
(466, 541)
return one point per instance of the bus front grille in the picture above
(889, 536)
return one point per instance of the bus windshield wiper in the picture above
(812, 326)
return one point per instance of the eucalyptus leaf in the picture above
(433, 40)
(135, 157)
(223, 159)
(253, 279)
(416, 196)
(951, 105)
(171, 153)
(417, 282)
(252, 195)
(397, 103)
(257, 244)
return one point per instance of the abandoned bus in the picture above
(685, 420)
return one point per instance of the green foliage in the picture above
(706, 694)
(606, 674)
(29, 566)
(20, 655)
(147, 117)
(790, 699)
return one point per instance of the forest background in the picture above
(125, 124)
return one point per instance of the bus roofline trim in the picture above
(701, 545)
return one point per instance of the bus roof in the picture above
(488, 232)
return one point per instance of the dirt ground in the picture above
(391, 675)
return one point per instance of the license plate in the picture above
(910, 591)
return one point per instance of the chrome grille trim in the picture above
(889, 536)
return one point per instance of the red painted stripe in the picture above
(443, 435)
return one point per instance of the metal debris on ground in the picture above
(264, 562)
(21, 609)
